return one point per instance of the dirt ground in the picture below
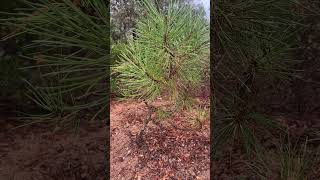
(36, 153)
(168, 153)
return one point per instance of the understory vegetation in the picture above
(63, 61)
(167, 58)
(257, 68)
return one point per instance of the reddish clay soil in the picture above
(37, 153)
(167, 152)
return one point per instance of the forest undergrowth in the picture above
(265, 90)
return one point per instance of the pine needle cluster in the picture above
(167, 56)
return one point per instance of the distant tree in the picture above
(124, 14)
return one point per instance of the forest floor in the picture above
(36, 152)
(167, 152)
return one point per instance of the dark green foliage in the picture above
(253, 41)
(255, 45)
(71, 53)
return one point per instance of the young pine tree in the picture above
(166, 58)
